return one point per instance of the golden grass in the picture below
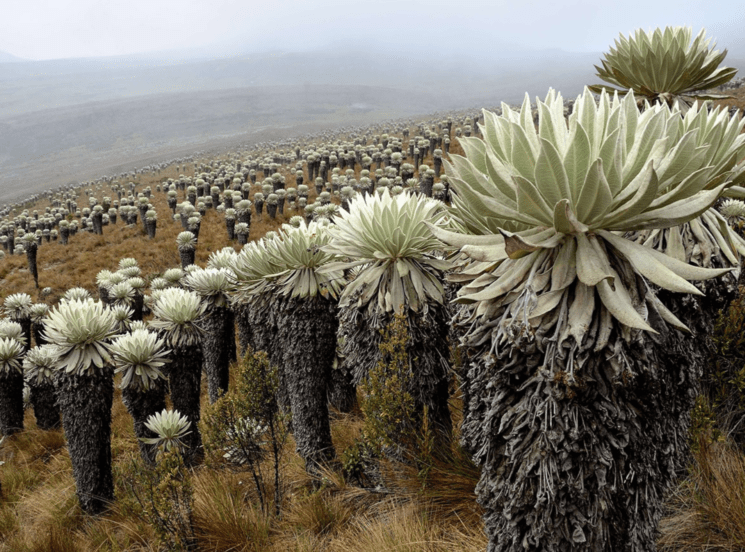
(707, 511)
(737, 100)
(40, 510)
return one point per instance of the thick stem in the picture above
(138, 304)
(342, 393)
(232, 349)
(31, 258)
(11, 402)
(142, 404)
(244, 327)
(37, 329)
(187, 256)
(44, 401)
(219, 331)
(428, 351)
(308, 326)
(185, 382)
(26, 327)
(577, 446)
(85, 402)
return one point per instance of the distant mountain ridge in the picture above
(44, 149)
(5, 57)
(38, 85)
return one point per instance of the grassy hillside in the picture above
(437, 512)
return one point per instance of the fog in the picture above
(53, 29)
(90, 87)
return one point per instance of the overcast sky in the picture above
(49, 29)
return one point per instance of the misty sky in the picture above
(49, 29)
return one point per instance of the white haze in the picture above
(92, 87)
(476, 29)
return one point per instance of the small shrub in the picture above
(392, 425)
(245, 429)
(724, 384)
(164, 498)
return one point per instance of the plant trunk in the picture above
(425, 186)
(701, 315)
(11, 402)
(271, 210)
(187, 256)
(104, 295)
(230, 226)
(232, 349)
(244, 216)
(577, 446)
(263, 329)
(97, 223)
(31, 258)
(438, 166)
(185, 383)
(38, 329)
(308, 326)
(85, 402)
(44, 401)
(138, 304)
(25, 324)
(151, 226)
(142, 404)
(218, 331)
(242, 321)
(262, 336)
(342, 394)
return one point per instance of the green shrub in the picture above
(246, 426)
(164, 497)
(392, 427)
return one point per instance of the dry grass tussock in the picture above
(707, 510)
(40, 512)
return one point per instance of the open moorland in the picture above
(414, 509)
